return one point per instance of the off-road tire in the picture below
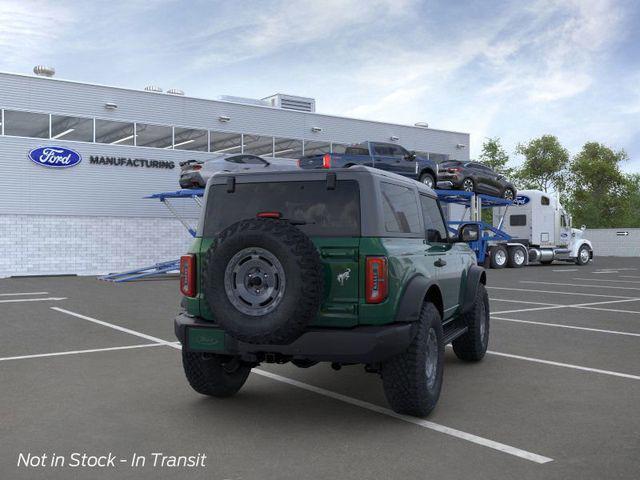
(404, 376)
(303, 273)
(495, 256)
(512, 262)
(579, 260)
(214, 375)
(427, 176)
(472, 346)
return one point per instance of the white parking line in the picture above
(522, 301)
(27, 293)
(20, 300)
(581, 285)
(567, 270)
(76, 352)
(565, 365)
(589, 306)
(369, 406)
(115, 327)
(606, 280)
(572, 327)
(416, 421)
(559, 293)
(533, 309)
(629, 276)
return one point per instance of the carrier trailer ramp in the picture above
(534, 228)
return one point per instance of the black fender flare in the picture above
(475, 276)
(410, 303)
(430, 171)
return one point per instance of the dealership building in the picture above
(120, 145)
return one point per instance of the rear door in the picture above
(383, 158)
(440, 254)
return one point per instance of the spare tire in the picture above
(262, 280)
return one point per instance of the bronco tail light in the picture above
(326, 160)
(188, 275)
(376, 281)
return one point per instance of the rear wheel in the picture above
(517, 257)
(412, 380)
(472, 346)
(214, 375)
(499, 256)
(428, 180)
(468, 185)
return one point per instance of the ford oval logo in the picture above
(521, 200)
(55, 157)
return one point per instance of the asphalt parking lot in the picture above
(89, 366)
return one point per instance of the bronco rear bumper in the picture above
(365, 344)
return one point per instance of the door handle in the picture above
(440, 262)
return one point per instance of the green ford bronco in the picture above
(348, 266)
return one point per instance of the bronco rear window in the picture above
(320, 211)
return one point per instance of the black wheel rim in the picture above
(254, 281)
(431, 366)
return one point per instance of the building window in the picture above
(71, 128)
(287, 148)
(226, 142)
(257, 145)
(190, 139)
(26, 124)
(115, 133)
(316, 148)
(400, 209)
(438, 157)
(157, 136)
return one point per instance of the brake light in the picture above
(269, 215)
(188, 275)
(298, 161)
(326, 160)
(454, 170)
(377, 280)
(196, 167)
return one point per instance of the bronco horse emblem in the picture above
(343, 277)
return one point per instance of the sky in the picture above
(509, 69)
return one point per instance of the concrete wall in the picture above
(611, 242)
(52, 245)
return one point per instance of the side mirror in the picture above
(469, 232)
(410, 156)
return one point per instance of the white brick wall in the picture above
(46, 245)
(607, 242)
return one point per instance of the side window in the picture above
(544, 201)
(517, 220)
(434, 227)
(252, 160)
(400, 209)
(382, 150)
(397, 151)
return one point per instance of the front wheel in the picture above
(468, 185)
(428, 180)
(412, 380)
(215, 375)
(472, 346)
(584, 255)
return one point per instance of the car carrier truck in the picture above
(534, 228)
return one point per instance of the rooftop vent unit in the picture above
(244, 100)
(43, 71)
(175, 91)
(153, 88)
(291, 102)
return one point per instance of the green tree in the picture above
(545, 164)
(494, 156)
(600, 195)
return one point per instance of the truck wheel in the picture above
(263, 281)
(428, 180)
(499, 256)
(214, 375)
(584, 255)
(472, 346)
(517, 257)
(508, 194)
(412, 380)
